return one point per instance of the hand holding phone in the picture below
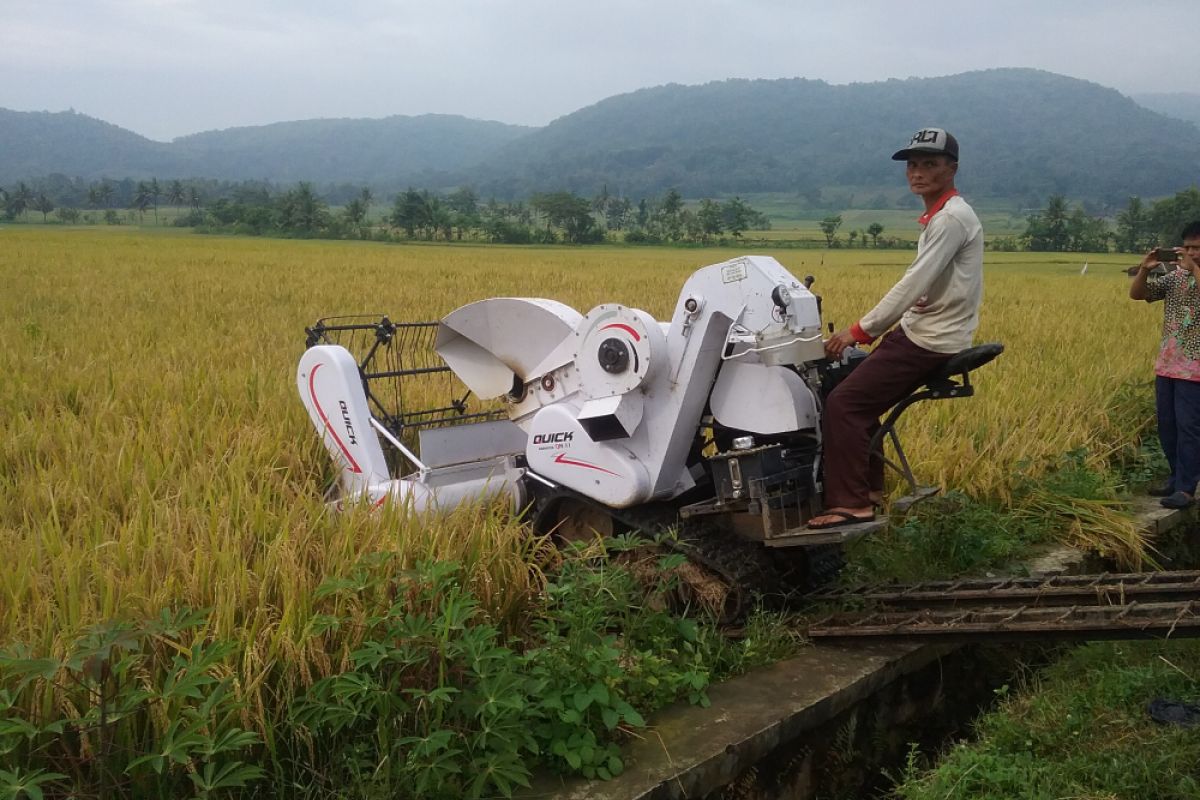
(1166, 254)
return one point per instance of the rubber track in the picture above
(749, 570)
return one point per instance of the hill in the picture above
(1024, 134)
(34, 143)
(394, 150)
(1180, 105)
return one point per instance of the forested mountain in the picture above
(34, 143)
(1180, 105)
(421, 149)
(1025, 135)
(392, 150)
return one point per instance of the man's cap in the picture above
(929, 140)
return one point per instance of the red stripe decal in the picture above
(625, 328)
(561, 458)
(312, 376)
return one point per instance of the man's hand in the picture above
(1150, 261)
(838, 342)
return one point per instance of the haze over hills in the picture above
(348, 150)
(1180, 105)
(1025, 134)
(323, 150)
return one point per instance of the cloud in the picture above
(169, 67)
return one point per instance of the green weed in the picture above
(99, 740)
(1084, 733)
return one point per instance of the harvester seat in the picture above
(952, 380)
(961, 364)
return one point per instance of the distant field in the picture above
(789, 220)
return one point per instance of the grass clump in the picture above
(1081, 730)
(944, 536)
(1074, 500)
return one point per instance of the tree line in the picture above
(260, 208)
(256, 208)
(1138, 227)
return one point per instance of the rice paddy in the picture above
(154, 452)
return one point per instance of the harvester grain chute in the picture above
(708, 425)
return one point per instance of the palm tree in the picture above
(43, 204)
(105, 193)
(141, 199)
(175, 192)
(155, 193)
(20, 199)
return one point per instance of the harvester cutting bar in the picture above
(1131, 621)
(1095, 590)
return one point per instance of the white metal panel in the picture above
(331, 388)
(758, 398)
(488, 342)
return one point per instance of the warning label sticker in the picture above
(733, 272)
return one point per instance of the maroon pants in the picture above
(895, 368)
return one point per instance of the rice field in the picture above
(154, 452)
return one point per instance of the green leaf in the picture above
(611, 718)
(232, 775)
(28, 785)
(573, 759)
(634, 718)
(599, 693)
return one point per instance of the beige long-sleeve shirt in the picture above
(937, 299)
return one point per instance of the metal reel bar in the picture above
(400, 370)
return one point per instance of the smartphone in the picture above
(1166, 254)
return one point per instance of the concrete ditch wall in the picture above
(836, 721)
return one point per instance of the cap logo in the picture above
(924, 137)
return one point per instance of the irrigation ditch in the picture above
(839, 720)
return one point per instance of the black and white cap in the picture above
(929, 140)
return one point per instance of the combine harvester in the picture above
(708, 425)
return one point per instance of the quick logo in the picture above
(553, 438)
(346, 421)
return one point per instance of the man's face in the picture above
(1191, 246)
(930, 174)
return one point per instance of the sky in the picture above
(166, 68)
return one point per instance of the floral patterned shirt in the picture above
(1179, 356)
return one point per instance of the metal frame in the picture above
(940, 389)
(406, 350)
